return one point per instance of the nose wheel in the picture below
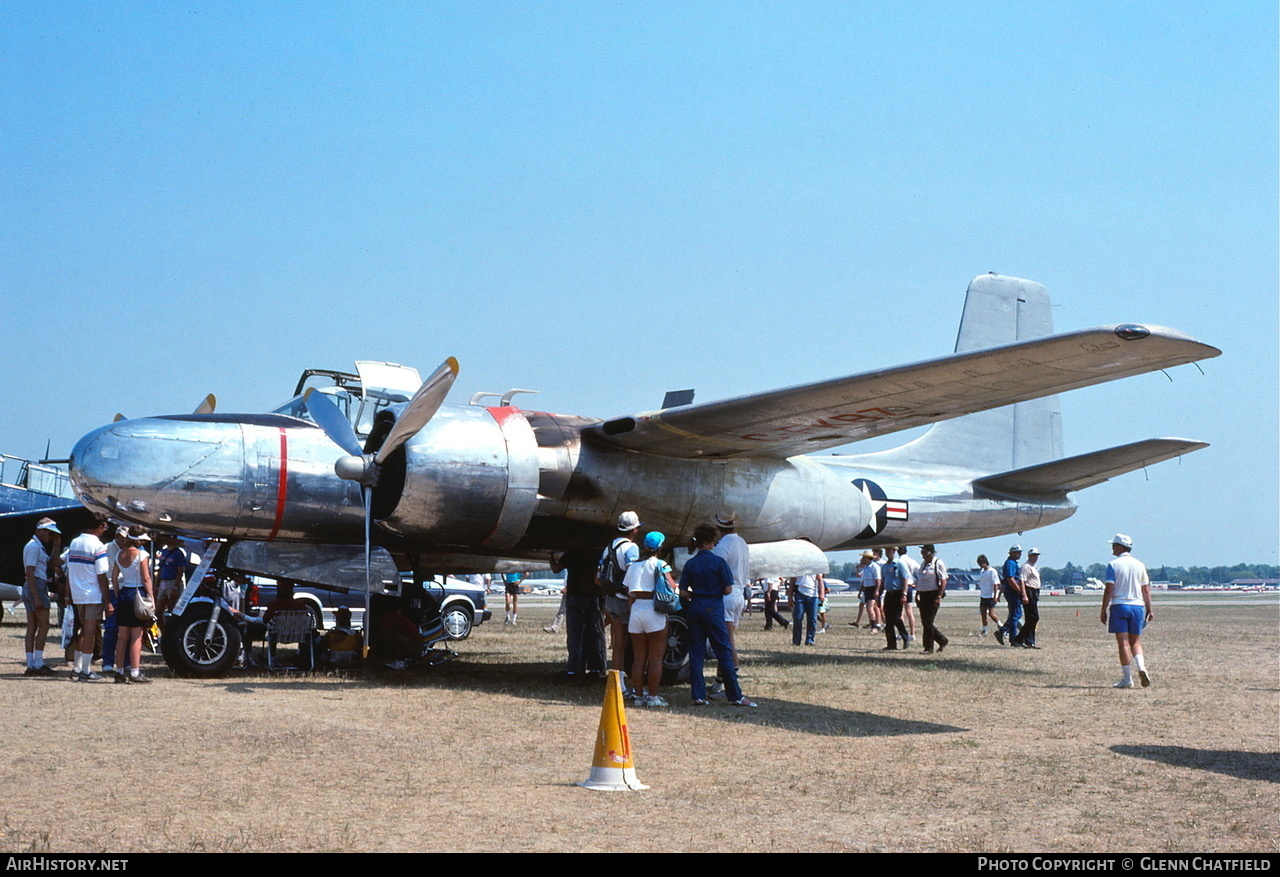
(191, 647)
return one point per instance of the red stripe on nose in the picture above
(282, 488)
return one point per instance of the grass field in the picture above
(981, 749)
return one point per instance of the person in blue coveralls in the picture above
(704, 582)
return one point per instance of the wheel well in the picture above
(457, 603)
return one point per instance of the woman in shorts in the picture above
(648, 626)
(130, 574)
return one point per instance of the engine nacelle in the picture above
(470, 477)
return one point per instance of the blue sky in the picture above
(211, 197)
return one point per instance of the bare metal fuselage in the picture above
(499, 482)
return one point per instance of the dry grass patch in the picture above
(852, 749)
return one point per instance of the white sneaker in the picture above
(655, 700)
(1145, 678)
(1124, 683)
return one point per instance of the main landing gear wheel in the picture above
(191, 649)
(675, 662)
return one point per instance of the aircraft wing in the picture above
(782, 423)
(1076, 473)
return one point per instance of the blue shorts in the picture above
(1126, 618)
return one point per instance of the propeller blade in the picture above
(207, 405)
(421, 408)
(331, 420)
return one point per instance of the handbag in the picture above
(665, 600)
(143, 606)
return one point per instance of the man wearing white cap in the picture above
(610, 575)
(1014, 595)
(35, 595)
(1128, 597)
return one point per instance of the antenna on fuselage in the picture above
(676, 398)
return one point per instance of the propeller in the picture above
(364, 468)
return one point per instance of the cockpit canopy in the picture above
(375, 387)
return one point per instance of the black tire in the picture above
(675, 662)
(190, 649)
(457, 620)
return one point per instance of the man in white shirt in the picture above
(1128, 597)
(90, 594)
(733, 548)
(1030, 575)
(988, 593)
(931, 587)
(806, 592)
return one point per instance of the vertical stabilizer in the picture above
(997, 310)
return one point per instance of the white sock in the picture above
(1142, 664)
(1126, 673)
(134, 671)
(38, 658)
(31, 659)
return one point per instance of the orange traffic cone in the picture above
(611, 768)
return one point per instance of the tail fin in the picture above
(997, 310)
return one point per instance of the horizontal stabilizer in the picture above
(823, 415)
(1076, 473)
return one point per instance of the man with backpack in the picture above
(610, 573)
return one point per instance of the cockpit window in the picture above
(295, 407)
(360, 411)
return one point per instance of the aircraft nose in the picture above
(161, 472)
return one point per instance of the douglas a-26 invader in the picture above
(466, 487)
